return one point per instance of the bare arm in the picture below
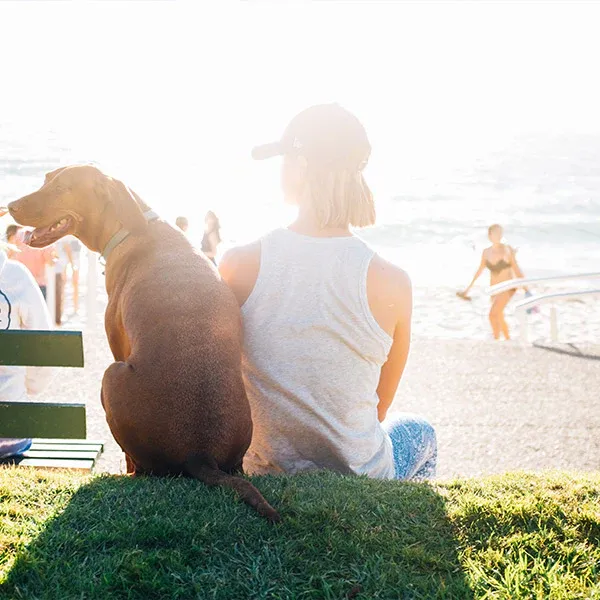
(477, 275)
(392, 370)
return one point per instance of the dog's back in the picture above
(183, 377)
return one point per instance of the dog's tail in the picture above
(207, 471)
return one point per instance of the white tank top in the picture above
(312, 358)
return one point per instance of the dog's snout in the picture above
(14, 208)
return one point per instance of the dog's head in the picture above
(82, 201)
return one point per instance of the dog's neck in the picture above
(122, 234)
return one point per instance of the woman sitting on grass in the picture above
(326, 320)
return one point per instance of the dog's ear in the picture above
(52, 174)
(127, 210)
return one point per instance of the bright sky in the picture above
(176, 94)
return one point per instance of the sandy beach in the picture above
(495, 406)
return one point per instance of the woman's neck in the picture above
(307, 224)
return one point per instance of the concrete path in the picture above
(495, 406)
(500, 406)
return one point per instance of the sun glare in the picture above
(174, 95)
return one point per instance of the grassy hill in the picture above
(515, 536)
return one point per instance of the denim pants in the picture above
(12, 446)
(414, 445)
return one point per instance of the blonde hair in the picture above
(340, 198)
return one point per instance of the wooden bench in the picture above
(58, 429)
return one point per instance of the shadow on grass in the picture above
(341, 537)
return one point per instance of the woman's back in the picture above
(313, 358)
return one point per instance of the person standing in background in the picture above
(68, 251)
(60, 266)
(11, 240)
(212, 236)
(36, 260)
(182, 223)
(75, 261)
(501, 261)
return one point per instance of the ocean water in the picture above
(544, 190)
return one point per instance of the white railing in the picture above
(515, 283)
(551, 298)
(522, 307)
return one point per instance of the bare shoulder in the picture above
(239, 268)
(240, 257)
(387, 277)
(389, 292)
(511, 253)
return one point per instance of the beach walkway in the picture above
(500, 406)
(495, 406)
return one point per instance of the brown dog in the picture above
(174, 399)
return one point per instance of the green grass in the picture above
(516, 536)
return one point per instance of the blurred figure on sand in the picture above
(21, 307)
(68, 251)
(182, 223)
(11, 240)
(36, 260)
(212, 236)
(500, 259)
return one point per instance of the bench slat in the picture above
(66, 441)
(60, 455)
(32, 348)
(67, 447)
(42, 419)
(50, 463)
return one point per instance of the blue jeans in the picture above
(13, 447)
(414, 445)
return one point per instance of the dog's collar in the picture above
(123, 234)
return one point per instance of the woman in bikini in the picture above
(500, 259)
